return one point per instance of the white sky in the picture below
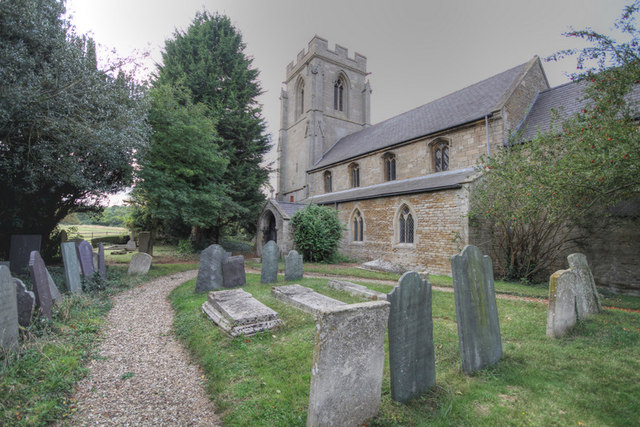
(417, 50)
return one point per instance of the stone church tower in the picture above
(326, 97)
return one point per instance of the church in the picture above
(401, 187)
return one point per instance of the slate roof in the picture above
(422, 184)
(464, 106)
(288, 208)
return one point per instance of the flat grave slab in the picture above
(357, 290)
(305, 299)
(237, 312)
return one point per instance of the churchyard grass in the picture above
(91, 231)
(589, 377)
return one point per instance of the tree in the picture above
(68, 130)
(209, 60)
(536, 194)
(316, 232)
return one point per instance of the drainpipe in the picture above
(486, 125)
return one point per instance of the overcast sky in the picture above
(417, 50)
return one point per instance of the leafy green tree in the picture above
(535, 195)
(208, 59)
(68, 130)
(316, 232)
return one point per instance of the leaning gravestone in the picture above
(131, 245)
(476, 310)
(587, 298)
(8, 311)
(26, 303)
(102, 266)
(562, 313)
(40, 283)
(210, 276)
(144, 240)
(412, 362)
(270, 255)
(85, 256)
(356, 290)
(292, 266)
(71, 267)
(348, 360)
(140, 264)
(233, 274)
(20, 251)
(304, 298)
(56, 296)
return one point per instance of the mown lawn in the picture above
(591, 377)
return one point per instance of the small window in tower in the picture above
(338, 93)
(405, 225)
(357, 227)
(389, 163)
(327, 182)
(354, 172)
(441, 156)
(300, 99)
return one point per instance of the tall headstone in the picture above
(26, 303)
(85, 256)
(348, 359)
(8, 311)
(56, 296)
(21, 247)
(102, 266)
(270, 255)
(233, 274)
(40, 283)
(140, 264)
(71, 267)
(412, 362)
(144, 242)
(293, 266)
(587, 298)
(562, 313)
(210, 276)
(476, 309)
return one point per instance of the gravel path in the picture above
(143, 375)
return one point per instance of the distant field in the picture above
(93, 231)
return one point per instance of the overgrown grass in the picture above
(590, 377)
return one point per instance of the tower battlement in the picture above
(320, 47)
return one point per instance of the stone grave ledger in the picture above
(562, 314)
(26, 303)
(587, 298)
(476, 310)
(306, 299)
(237, 313)
(412, 362)
(348, 360)
(270, 255)
(140, 264)
(85, 256)
(210, 275)
(20, 251)
(293, 266)
(233, 274)
(71, 267)
(8, 311)
(40, 283)
(356, 290)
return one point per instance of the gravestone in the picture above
(6, 264)
(102, 266)
(476, 309)
(94, 259)
(40, 284)
(53, 289)
(85, 256)
(348, 360)
(356, 290)
(233, 275)
(587, 298)
(140, 264)
(71, 267)
(210, 269)
(293, 266)
(144, 242)
(63, 236)
(304, 298)
(236, 312)
(26, 303)
(20, 251)
(562, 313)
(412, 362)
(270, 255)
(8, 311)
(131, 245)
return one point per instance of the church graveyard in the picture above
(305, 299)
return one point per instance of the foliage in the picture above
(68, 130)
(316, 232)
(534, 195)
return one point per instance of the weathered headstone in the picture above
(71, 267)
(56, 296)
(305, 299)
(238, 313)
(63, 236)
(357, 290)
(144, 242)
(587, 298)
(476, 310)
(131, 245)
(102, 266)
(8, 311)
(270, 255)
(140, 264)
(20, 251)
(85, 256)
(40, 283)
(348, 359)
(292, 266)
(412, 362)
(26, 303)
(94, 259)
(210, 276)
(6, 264)
(562, 314)
(233, 274)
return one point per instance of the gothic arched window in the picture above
(441, 156)
(406, 226)
(300, 99)
(327, 182)
(357, 227)
(389, 164)
(338, 94)
(354, 173)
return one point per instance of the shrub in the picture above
(316, 232)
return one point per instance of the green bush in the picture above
(316, 233)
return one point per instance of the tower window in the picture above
(405, 225)
(441, 156)
(327, 182)
(354, 172)
(338, 94)
(300, 99)
(357, 227)
(389, 163)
